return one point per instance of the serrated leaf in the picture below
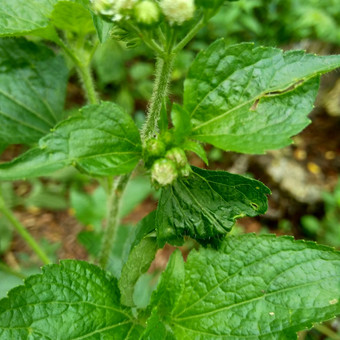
(72, 300)
(21, 17)
(256, 287)
(207, 204)
(73, 17)
(102, 141)
(29, 105)
(251, 99)
(138, 263)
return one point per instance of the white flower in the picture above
(104, 7)
(178, 11)
(124, 4)
(164, 172)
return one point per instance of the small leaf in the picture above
(103, 141)
(138, 263)
(72, 300)
(29, 105)
(251, 99)
(73, 17)
(102, 27)
(21, 17)
(197, 148)
(255, 287)
(206, 205)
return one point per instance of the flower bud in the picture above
(177, 155)
(178, 11)
(185, 171)
(154, 148)
(164, 172)
(146, 12)
(104, 7)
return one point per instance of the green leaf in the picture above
(29, 104)
(138, 263)
(21, 17)
(181, 121)
(68, 301)
(250, 99)
(197, 148)
(255, 287)
(73, 17)
(102, 27)
(206, 205)
(102, 141)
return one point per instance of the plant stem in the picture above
(84, 72)
(160, 91)
(23, 232)
(112, 220)
(11, 271)
(200, 24)
(327, 331)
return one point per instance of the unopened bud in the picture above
(185, 171)
(104, 7)
(147, 12)
(164, 172)
(154, 148)
(178, 11)
(177, 155)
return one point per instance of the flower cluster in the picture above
(146, 11)
(166, 165)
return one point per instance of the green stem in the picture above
(83, 70)
(160, 91)
(112, 220)
(85, 75)
(23, 232)
(11, 271)
(200, 24)
(327, 331)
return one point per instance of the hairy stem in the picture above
(160, 91)
(83, 70)
(85, 75)
(9, 270)
(327, 331)
(23, 232)
(112, 219)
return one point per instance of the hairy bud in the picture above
(104, 7)
(177, 155)
(164, 172)
(178, 11)
(146, 12)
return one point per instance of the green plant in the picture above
(326, 230)
(237, 98)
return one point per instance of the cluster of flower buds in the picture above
(166, 165)
(145, 12)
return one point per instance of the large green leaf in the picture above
(250, 99)
(254, 287)
(206, 205)
(102, 141)
(73, 300)
(72, 16)
(32, 90)
(20, 17)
